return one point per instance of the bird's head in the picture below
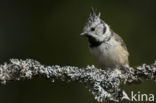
(96, 29)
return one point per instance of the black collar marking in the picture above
(95, 43)
(104, 29)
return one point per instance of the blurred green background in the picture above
(48, 31)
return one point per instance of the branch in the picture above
(104, 85)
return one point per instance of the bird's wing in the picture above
(125, 51)
(118, 38)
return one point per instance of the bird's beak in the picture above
(84, 34)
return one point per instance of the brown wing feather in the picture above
(123, 44)
(118, 38)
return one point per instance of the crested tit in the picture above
(107, 48)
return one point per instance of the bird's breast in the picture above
(109, 55)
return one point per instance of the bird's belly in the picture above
(109, 56)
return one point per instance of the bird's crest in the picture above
(93, 18)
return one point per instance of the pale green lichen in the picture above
(104, 85)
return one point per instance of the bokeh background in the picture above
(48, 31)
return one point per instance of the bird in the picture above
(107, 48)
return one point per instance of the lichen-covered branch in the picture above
(104, 85)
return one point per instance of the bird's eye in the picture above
(92, 29)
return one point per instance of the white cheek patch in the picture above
(99, 30)
(99, 35)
